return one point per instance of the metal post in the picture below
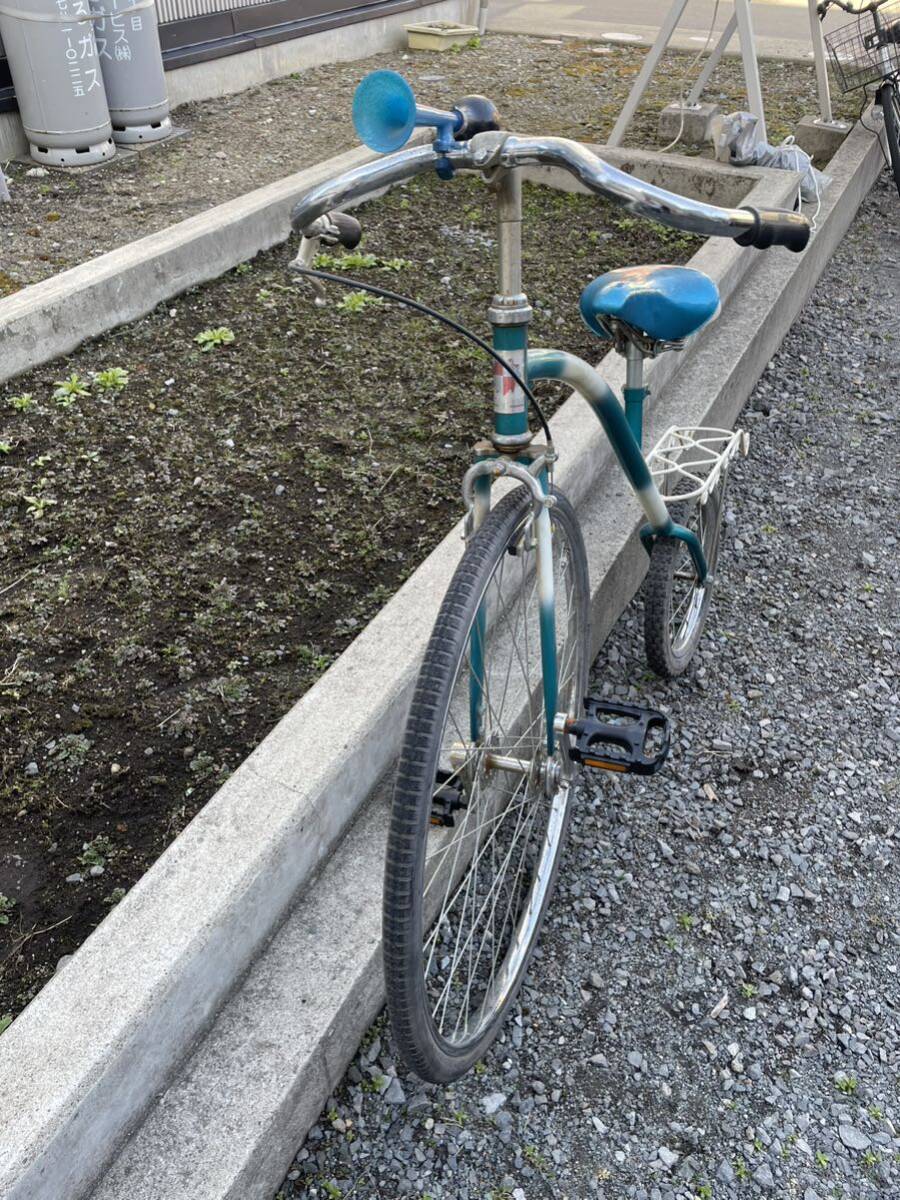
(751, 67)
(818, 45)
(712, 62)
(639, 86)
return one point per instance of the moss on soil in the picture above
(184, 556)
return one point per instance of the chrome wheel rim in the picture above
(688, 597)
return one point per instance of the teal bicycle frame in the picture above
(511, 452)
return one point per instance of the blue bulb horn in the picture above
(385, 113)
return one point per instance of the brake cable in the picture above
(408, 302)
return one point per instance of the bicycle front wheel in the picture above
(480, 809)
(890, 105)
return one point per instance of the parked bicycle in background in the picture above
(867, 52)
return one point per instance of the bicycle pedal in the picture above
(630, 739)
(447, 798)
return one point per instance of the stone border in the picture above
(81, 1065)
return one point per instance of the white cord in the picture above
(684, 80)
(790, 144)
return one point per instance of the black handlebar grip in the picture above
(776, 227)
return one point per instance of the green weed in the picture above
(209, 339)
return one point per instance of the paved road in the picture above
(781, 26)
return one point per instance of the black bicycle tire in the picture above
(890, 107)
(662, 658)
(403, 921)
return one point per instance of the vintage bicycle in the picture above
(865, 52)
(500, 718)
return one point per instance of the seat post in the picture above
(635, 393)
(509, 315)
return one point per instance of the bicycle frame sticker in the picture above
(508, 396)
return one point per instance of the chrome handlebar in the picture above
(489, 151)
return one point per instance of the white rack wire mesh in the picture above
(699, 454)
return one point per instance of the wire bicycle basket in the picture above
(867, 50)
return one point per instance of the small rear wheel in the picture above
(675, 605)
(478, 820)
(889, 98)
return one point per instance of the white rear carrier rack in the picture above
(699, 455)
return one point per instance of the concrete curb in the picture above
(229, 1124)
(207, 907)
(52, 317)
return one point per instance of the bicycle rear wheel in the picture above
(889, 99)
(675, 606)
(464, 903)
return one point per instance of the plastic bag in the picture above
(736, 141)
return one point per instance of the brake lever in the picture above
(331, 229)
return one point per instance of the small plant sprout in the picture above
(24, 402)
(356, 260)
(822, 1160)
(748, 990)
(355, 302)
(6, 907)
(37, 506)
(846, 1084)
(96, 853)
(209, 339)
(111, 379)
(5, 447)
(67, 391)
(686, 921)
(5, 1022)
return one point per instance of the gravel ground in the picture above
(240, 142)
(714, 1008)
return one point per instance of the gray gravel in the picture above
(714, 1008)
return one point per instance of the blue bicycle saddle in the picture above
(665, 303)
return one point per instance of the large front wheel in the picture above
(480, 808)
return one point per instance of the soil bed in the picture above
(241, 142)
(185, 554)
